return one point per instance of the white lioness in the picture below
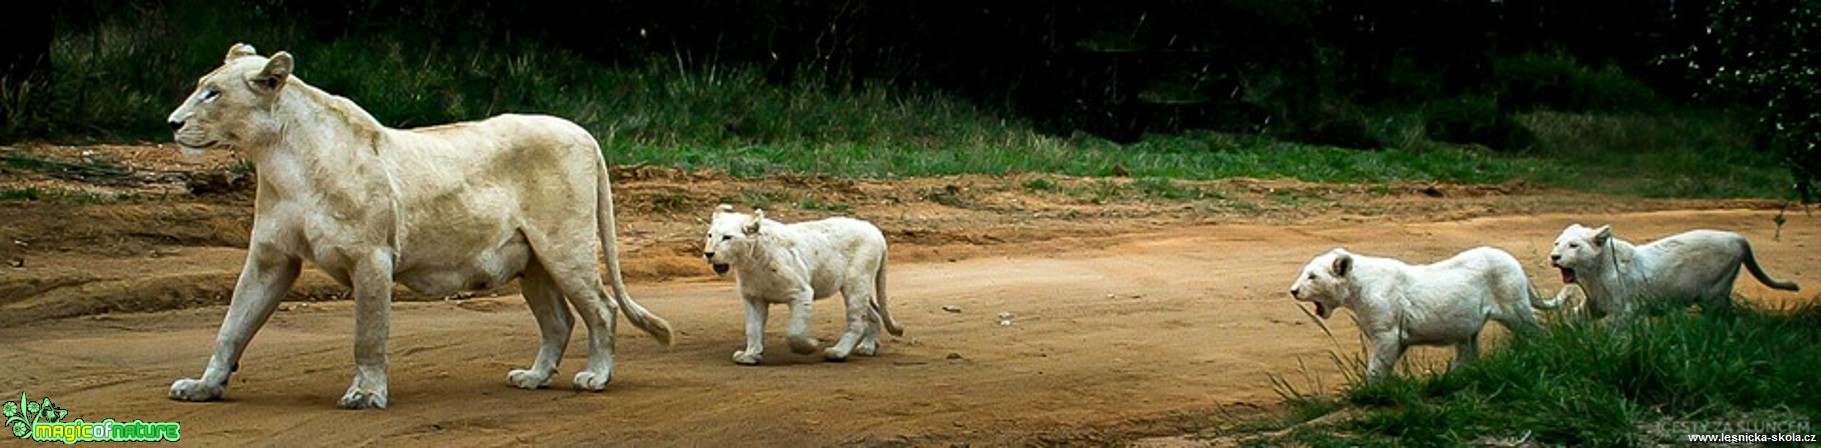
(1399, 305)
(1619, 278)
(796, 264)
(441, 209)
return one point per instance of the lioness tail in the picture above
(656, 326)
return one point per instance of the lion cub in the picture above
(1697, 266)
(1399, 305)
(796, 264)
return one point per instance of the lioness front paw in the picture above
(868, 347)
(528, 379)
(363, 399)
(804, 346)
(191, 389)
(747, 359)
(834, 355)
(591, 381)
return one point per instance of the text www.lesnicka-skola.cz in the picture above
(1751, 438)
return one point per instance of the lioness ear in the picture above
(273, 76)
(724, 208)
(752, 226)
(1601, 235)
(1343, 263)
(238, 51)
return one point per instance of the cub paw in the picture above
(742, 358)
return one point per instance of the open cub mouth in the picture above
(1567, 275)
(720, 268)
(1321, 310)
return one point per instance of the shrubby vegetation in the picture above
(907, 88)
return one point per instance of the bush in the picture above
(1475, 120)
(1555, 81)
(1340, 124)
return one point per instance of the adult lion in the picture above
(441, 209)
(1698, 266)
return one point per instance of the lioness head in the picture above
(232, 105)
(726, 231)
(1577, 251)
(1324, 282)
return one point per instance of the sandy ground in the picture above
(1132, 316)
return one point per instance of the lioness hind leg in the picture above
(554, 321)
(573, 270)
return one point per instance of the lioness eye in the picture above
(210, 95)
(726, 237)
(1574, 246)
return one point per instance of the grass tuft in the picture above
(1578, 383)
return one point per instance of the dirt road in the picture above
(1138, 308)
(1116, 337)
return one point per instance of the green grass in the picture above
(1597, 385)
(1041, 185)
(812, 203)
(141, 62)
(1687, 154)
(35, 194)
(21, 194)
(761, 197)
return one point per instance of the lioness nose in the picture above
(176, 125)
(708, 255)
(1294, 292)
(1555, 257)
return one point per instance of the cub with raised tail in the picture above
(797, 264)
(1620, 278)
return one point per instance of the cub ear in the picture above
(274, 75)
(1343, 263)
(238, 51)
(752, 225)
(1602, 235)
